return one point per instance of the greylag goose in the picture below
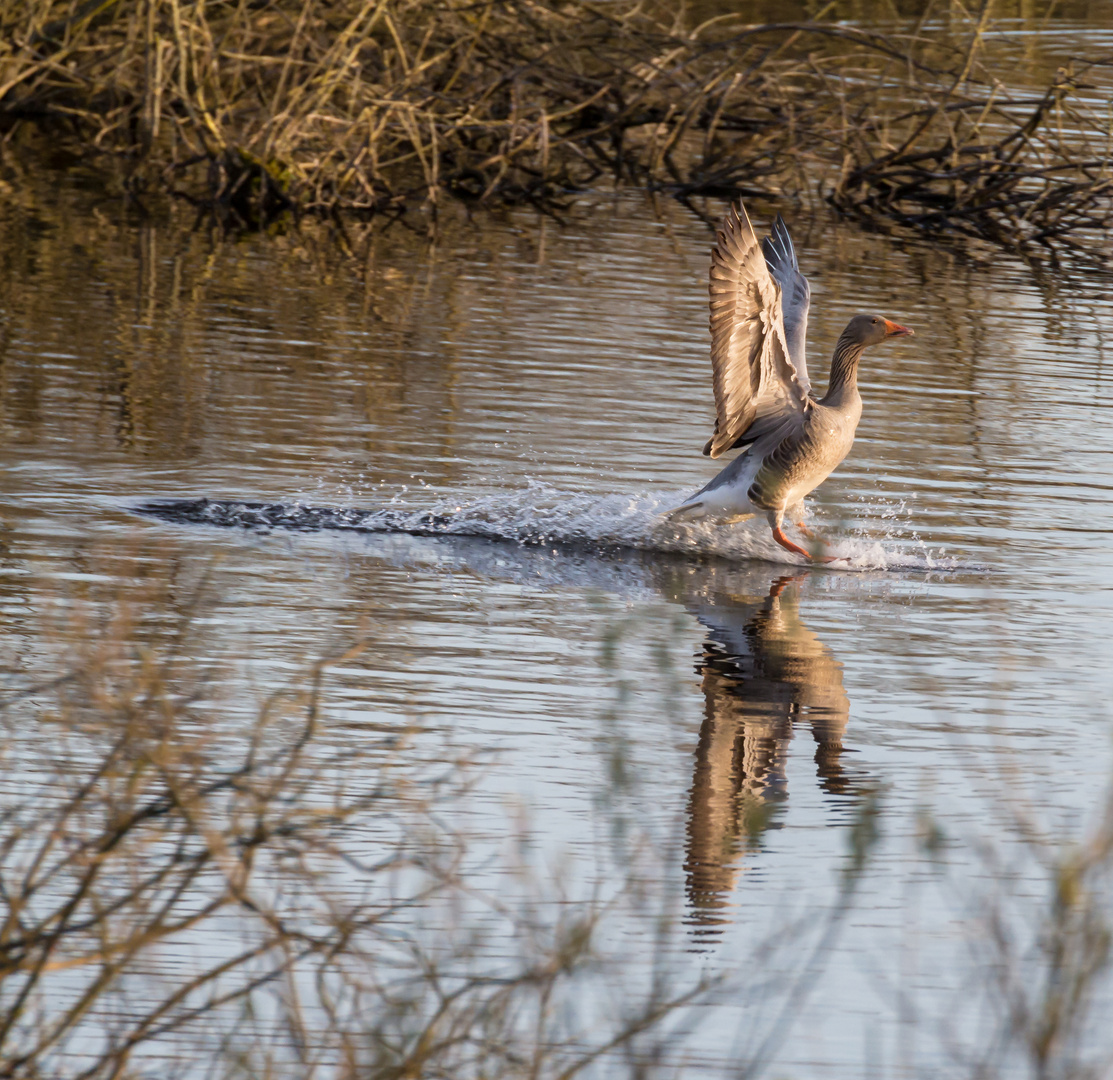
(790, 441)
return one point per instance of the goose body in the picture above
(790, 442)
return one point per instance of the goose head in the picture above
(873, 329)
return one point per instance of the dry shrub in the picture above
(187, 892)
(1023, 170)
(1037, 902)
(364, 105)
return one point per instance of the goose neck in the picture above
(844, 366)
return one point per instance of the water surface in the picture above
(548, 388)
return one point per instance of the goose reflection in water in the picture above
(763, 673)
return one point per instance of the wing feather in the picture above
(796, 294)
(754, 378)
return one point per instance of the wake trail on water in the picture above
(540, 514)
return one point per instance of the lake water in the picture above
(695, 697)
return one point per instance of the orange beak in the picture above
(893, 329)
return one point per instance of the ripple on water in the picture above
(541, 514)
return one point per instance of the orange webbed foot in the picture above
(796, 549)
(788, 545)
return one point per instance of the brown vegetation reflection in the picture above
(762, 671)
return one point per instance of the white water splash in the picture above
(541, 514)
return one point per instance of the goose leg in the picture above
(796, 513)
(776, 520)
(781, 584)
(815, 538)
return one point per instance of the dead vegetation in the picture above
(1020, 172)
(184, 893)
(371, 105)
(1042, 955)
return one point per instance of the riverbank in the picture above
(947, 123)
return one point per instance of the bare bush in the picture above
(368, 105)
(182, 890)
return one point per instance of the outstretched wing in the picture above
(755, 381)
(796, 294)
